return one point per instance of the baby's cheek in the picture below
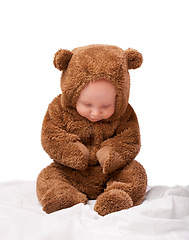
(109, 113)
(80, 109)
(84, 113)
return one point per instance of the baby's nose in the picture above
(95, 112)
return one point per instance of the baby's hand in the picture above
(109, 159)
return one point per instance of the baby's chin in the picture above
(94, 120)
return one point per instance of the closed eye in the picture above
(106, 106)
(88, 105)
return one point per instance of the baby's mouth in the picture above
(94, 120)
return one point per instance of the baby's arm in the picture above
(120, 150)
(60, 145)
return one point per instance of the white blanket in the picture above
(163, 215)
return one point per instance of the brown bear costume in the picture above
(92, 160)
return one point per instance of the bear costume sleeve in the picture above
(120, 150)
(60, 145)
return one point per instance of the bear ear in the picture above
(62, 58)
(134, 58)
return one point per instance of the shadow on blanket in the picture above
(164, 214)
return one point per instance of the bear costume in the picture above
(92, 160)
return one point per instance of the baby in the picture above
(92, 134)
(97, 101)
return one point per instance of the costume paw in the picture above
(112, 201)
(76, 156)
(64, 199)
(109, 159)
(83, 149)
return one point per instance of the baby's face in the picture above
(97, 101)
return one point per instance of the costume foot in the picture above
(65, 199)
(112, 201)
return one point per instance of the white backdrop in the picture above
(32, 31)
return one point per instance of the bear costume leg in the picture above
(126, 188)
(55, 192)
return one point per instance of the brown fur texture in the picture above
(92, 160)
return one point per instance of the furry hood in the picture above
(86, 64)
